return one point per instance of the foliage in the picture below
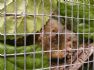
(33, 22)
(82, 13)
(30, 18)
(30, 60)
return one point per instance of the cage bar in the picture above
(46, 35)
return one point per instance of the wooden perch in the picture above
(83, 55)
(78, 58)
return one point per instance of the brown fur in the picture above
(50, 40)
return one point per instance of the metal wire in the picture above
(4, 34)
(24, 12)
(89, 33)
(50, 34)
(83, 29)
(34, 55)
(15, 6)
(58, 33)
(34, 33)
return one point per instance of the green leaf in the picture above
(10, 26)
(30, 60)
(8, 64)
(81, 11)
(2, 3)
(34, 18)
(11, 49)
(10, 8)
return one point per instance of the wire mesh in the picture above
(46, 35)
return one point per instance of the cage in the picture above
(46, 34)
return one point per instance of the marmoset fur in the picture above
(55, 40)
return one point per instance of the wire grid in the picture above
(58, 33)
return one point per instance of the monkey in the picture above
(56, 45)
(52, 38)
